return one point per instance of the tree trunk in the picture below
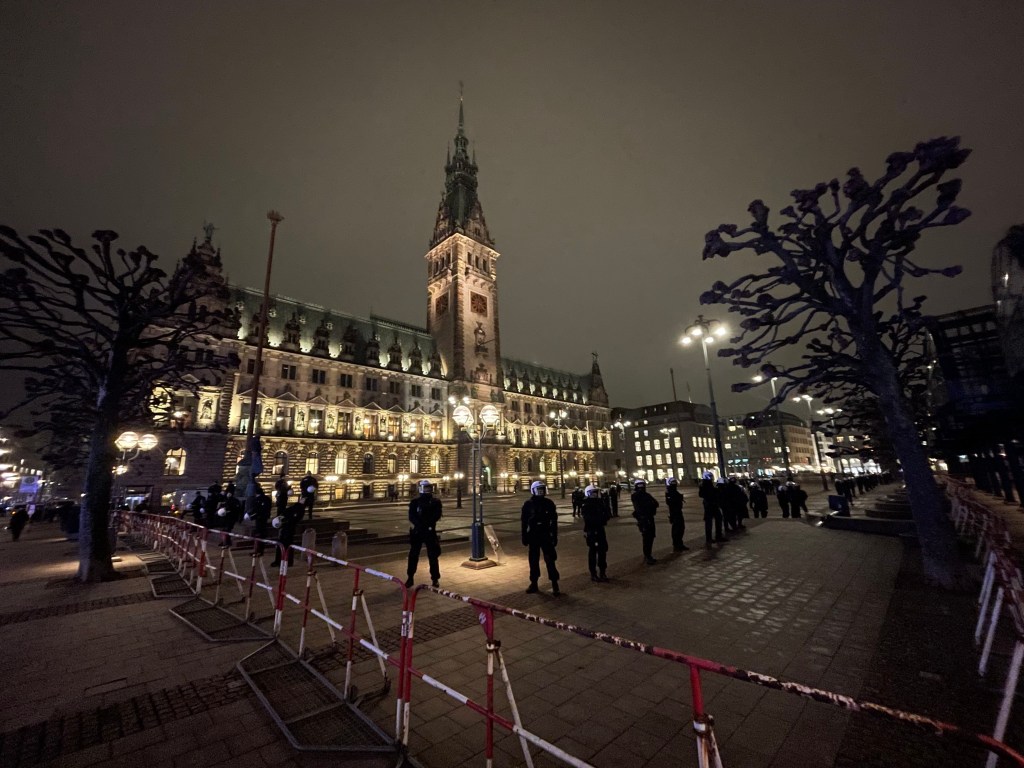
(939, 554)
(94, 563)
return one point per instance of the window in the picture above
(392, 463)
(435, 464)
(280, 463)
(394, 387)
(289, 371)
(657, 445)
(250, 366)
(435, 393)
(174, 464)
(372, 384)
(318, 376)
(313, 462)
(345, 380)
(416, 390)
(341, 464)
(647, 445)
(368, 464)
(414, 464)
(527, 408)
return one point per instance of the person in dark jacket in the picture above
(613, 497)
(797, 500)
(674, 501)
(281, 491)
(287, 525)
(712, 512)
(735, 504)
(540, 533)
(260, 518)
(424, 514)
(577, 501)
(232, 508)
(645, 507)
(758, 501)
(782, 494)
(595, 516)
(17, 522)
(198, 509)
(307, 489)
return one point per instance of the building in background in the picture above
(365, 404)
(666, 439)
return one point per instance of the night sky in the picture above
(610, 137)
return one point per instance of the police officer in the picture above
(424, 513)
(758, 500)
(281, 491)
(307, 489)
(613, 497)
(260, 516)
(644, 508)
(712, 511)
(540, 534)
(287, 523)
(674, 501)
(595, 516)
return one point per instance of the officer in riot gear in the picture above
(595, 516)
(674, 501)
(645, 507)
(540, 534)
(424, 514)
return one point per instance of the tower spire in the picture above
(460, 209)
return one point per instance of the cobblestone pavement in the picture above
(786, 599)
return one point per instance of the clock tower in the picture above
(462, 292)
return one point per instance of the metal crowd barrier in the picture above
(187, 542)
(993, 547)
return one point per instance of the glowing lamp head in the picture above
(126, 441)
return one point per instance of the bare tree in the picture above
(96, 331)
(837, 286)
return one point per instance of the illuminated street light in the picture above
(706, 331)
(476, 424)
(558, 416)
(814, 439)
(778, 425)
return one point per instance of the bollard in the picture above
(309, 538)
(339, 546)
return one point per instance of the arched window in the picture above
(414, 464)
(392, 463)
(517, 464)
(368, 464)
(543, 466)
(435, 464)
(174, 463)
(280, 463)
(313, 462)
(529, 466)
(341, 464)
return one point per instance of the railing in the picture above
(994, 548)
(186, 544)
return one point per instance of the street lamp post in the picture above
(831, 413)
(706, 331)
(558, 416)
(252, 462)
(476, 425)
(814, 438)
(621, 426)
(778, 426)
(131, 442)
(668, 432)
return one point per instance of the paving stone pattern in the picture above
(66, 610)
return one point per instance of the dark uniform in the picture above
(260, 518)
(540, 534)
(712, 512)
(577, 501)
(198, 509)
(595, 516)
(645, 507)
(782, 494)
(308, 490)
(289, 523)
(674, 501)
(281, 491)
(797, 500)
(758, 500)
(613, 497)
(424, 513)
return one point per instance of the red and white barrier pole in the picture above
(305, 603)
(1009, 693)
(487, 618)
(282, 583)
(987, 649)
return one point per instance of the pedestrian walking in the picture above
(17, 521)
(645, 507)
(674, 501)
(540, 534)
(577, 501)
(287, 524)
(308, 488)
(595, 517)
(424, 514)
(712, 512)
(758, 500)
